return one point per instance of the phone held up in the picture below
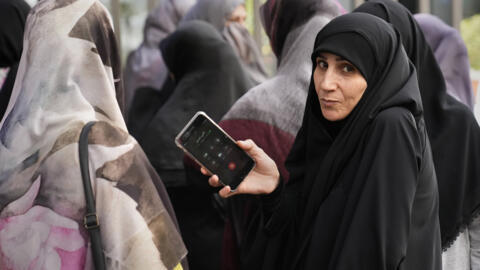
(211, 147)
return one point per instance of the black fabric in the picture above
(280, 17)
(208, 77)
(201, 226)
(351, 43)
(6, 89)
(145, 104)
(366, 197)
(453, 131)
(13, 14)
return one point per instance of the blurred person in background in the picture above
(228, 17)
(451, 54)
(271, 113)
(206, 76)
(13, 14)
(455, 138)
(145, 67)
(69, 74)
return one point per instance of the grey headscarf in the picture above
(215, 12)
(246, 49)
(145, 66)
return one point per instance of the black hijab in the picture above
(280, 17)
(13, 14)
(208, 77)
(375, 49)
(350, 203)
(145, 104)
(453, 131)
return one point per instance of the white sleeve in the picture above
(474, 233)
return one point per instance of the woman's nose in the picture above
(329, 81)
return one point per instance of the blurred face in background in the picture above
(238, 15)
(339, 86)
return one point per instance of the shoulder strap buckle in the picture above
(90, 221)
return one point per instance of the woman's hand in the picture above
(263, 179)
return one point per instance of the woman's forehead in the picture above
(331, 55)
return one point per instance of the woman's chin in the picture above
(332, 115)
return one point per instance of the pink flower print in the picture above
(41, 240)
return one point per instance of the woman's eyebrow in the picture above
(338, 58)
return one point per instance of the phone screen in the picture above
(216, 151)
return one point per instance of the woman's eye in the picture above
(322, 64)
(348, 68)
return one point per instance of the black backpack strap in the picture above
(90, 221)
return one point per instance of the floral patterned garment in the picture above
(69, 75)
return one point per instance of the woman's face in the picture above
(339, 86)
(238, 15)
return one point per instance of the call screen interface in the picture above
(211, 147)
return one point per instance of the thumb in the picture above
(251, 148)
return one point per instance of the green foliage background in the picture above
(470, 30)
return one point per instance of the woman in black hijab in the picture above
(362, 192)
(452, 129)
(13, 14)
(207, 76)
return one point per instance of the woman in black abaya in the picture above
(455, 138)
(362, 192)
(13, 14)
(207, 76)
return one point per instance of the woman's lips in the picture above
(329, 102)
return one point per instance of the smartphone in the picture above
(211, 147)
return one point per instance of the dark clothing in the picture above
(146, 102)
(452, 129)
(208, 77)
(362, 193)
(6, 89)
(13, 14)
(201, 226)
